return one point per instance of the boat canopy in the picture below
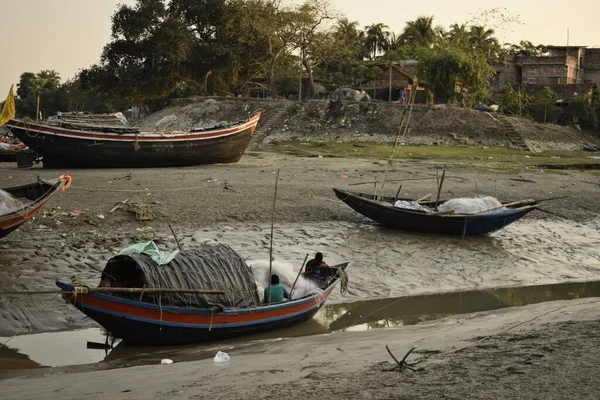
(209, 266)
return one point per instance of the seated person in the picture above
(318, 267)
(278, 292)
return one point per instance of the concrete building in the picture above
(561, 65)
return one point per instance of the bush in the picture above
(543, 106)
(579, 111)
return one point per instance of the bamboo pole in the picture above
(391, 180)
(298, 276)
(271, 245)
(116, 290)
(515, 203)
(437, 199)
(403, 126)
(149, 290)
(397, 193)
(175, 236)
(423, 198)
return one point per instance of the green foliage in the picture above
(524, 48)
(514, 101)
(448, 67)
(595, 97)
(441, 70)
(580, 112)
(542, 107)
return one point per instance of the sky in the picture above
(68, 35)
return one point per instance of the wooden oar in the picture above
(298, 276)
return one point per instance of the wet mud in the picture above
(552, 247)
(86, 346)
(385, 263)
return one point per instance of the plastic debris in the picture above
(166, 361)
(77, 212)
(221, 357)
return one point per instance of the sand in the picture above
(549, 352)
(542, 351)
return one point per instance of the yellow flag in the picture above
(8, 111)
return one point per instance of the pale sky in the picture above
(67, 35)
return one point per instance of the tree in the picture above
(146, 55)
(309, 37)
(459, 33)
(514, 101)
(420, 32)
(376, 39)
(44, 81)
(524, 48)
(448, 66)
(543, 105)
(482, 41)
(25, 87)
(580, 112)
(268, 32)
(440, 70)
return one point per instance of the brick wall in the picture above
(592, 77)
(592, 59)
(544, 74)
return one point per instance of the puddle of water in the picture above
(69, 348)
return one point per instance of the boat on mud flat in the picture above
(20, 203)
(410, 215)
(71, 144)
(147, 301)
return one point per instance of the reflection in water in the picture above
(65, 348)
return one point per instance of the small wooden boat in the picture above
(164, 318)
(86, 146)
(30, 199)
(383, 212)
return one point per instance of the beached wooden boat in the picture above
(161, 319)
(31, 198)
(383, 212)
(88, 146)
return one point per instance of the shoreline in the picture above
(520, 348)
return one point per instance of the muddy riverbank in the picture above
(76, 233)
(540, 351)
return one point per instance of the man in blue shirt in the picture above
(278, 292)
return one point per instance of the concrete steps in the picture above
(512, 135)
(268, 120)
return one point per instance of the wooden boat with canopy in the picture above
(153, 304)
(20, 203)
(74, 144)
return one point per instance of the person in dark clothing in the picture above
(278, 292)
(318, 267)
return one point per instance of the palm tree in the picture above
(482, 40)
(344, 29)
(459, 33)
(349, 37)
(376, 39)
(394, 42)
(44, 80)
(419, 32)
